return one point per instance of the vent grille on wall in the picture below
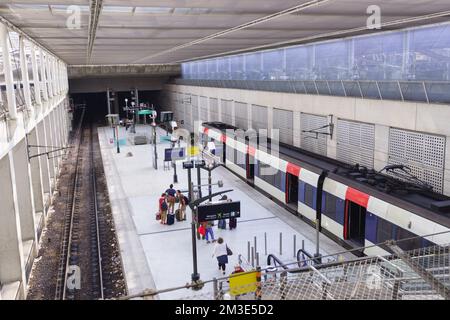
(227, 114)
(259, 118)
(355, 143)
(283, 120)
(310, 141)
(423, 153)
(241, 115)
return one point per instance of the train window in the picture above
(277, 179)
(384, 230)
(411, 244)
(230, 154)
(309, 195)
(330, 206)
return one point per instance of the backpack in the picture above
(186, 200)
(164, 206)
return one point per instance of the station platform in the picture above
(157, 256)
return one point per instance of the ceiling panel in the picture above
(142, 31)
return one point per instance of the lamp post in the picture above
(155, 163)
(175, 177)
(126, 106)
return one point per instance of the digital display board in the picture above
(217, 211)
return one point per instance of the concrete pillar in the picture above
(7, 70)
(381, 152)
(36, 174)
(43, 84)
(45, 165)
(36, 81)
(24, 192)
(50, 143)
(11, 251)
(24, 73)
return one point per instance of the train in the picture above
(357, 207)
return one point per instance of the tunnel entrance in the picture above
(97, 104)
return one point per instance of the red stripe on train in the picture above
(293, 169)
(223, 138)
(205, 130)
(357, 197)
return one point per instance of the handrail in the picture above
(271, 257)
(299, 260)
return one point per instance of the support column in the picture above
(24, 72)
(36, 173)
(36, 82)
(11, 253)
(45, 165)
(25, 199)
(43, 84)
(7, 70)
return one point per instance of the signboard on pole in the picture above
(218, 211)
(174, 154)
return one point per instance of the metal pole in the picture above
(195, 275)
(265, 243)
(253, 256)
(118, 147)
(295, 245)
(175, 177)
(210, 186)
(318, 259)
(154, 143)
(199, 182)
(281, 243)
(254, 243)
(257, 259)
(248, 251)
(303, 245)
(215, 289)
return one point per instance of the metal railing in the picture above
(415, 91)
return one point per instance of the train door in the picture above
(292, 191)
(355, 223)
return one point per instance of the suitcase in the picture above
(222, 224)
(233, 223)
(170, 219)
(178, 214)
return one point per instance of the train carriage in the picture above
(353, 213)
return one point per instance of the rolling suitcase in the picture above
(170, 219)
(222, 224)
(178, 214)
(233, 223)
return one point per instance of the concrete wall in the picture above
(26, 187)
(421, 117)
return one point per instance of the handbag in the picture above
(158, 216)
(229, 252)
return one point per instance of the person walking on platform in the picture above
(209, 231)
(221, 252)
(171, 198)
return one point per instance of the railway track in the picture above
(80, 270)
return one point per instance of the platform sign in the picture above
(174, 154)
(218, 211)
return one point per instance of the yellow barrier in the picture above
(193, 151)
(242, 284)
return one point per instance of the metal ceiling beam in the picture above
(96, 9)
(396, 24)
(303, 6)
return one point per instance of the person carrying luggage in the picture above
(182, 204)
(163, 208)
